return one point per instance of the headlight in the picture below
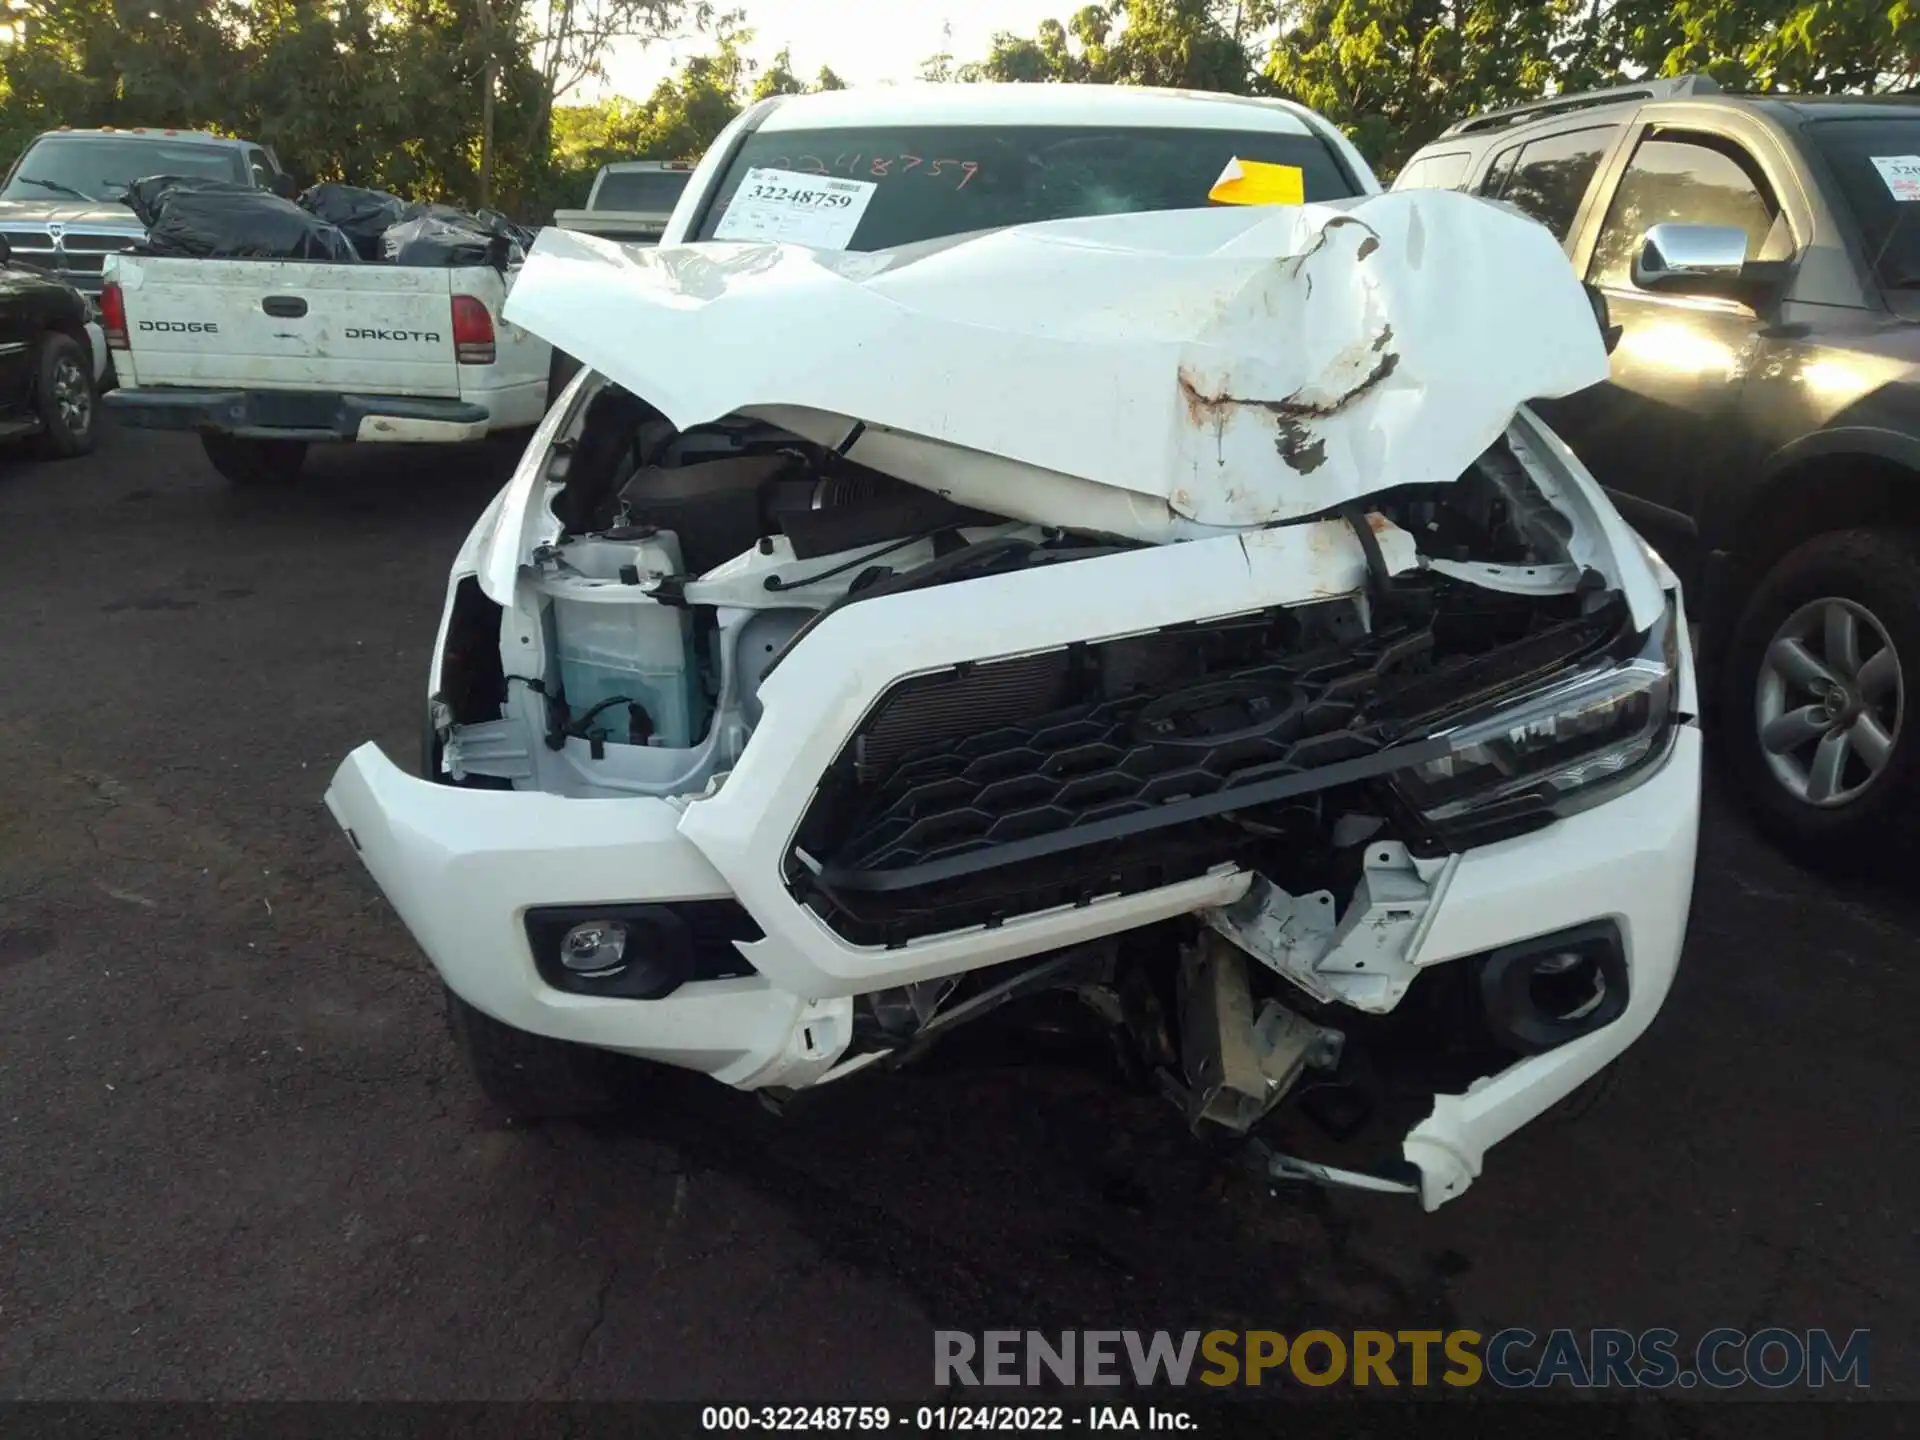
(1558, 747)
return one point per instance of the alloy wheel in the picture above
(72, 396)
(1829, 703)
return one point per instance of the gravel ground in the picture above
(239, 1159)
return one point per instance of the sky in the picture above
(865, 41)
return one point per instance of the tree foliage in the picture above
(1181, 44)
(1393, 73)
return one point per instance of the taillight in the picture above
(472, 331)
(113, 315)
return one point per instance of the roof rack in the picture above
(1673, 88)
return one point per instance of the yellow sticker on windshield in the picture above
(1252, 182)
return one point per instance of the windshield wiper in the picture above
(53, 185)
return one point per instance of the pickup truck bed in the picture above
(295, 351)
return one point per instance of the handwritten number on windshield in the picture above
(883, 167)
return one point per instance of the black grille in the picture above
(1005, 787)
(1002, 788)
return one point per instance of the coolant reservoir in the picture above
(614, 642)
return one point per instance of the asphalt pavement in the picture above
(240, 1159)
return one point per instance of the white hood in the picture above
(1158, 375)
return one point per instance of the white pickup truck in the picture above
(263, 357)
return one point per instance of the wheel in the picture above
(1818, 734)
(68, 406)
(530, 1077)
(246, 461)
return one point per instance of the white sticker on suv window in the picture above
(1902, 174)
(821, 211)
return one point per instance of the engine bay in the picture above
(687, 563)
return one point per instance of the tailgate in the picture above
(289, 325)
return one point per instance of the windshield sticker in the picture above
(1902, 174)
(821, 211)
(1253, 182)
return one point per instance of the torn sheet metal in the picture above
(1229, 367)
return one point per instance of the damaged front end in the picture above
(1301, 709)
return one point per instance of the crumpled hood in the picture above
(1225, 368)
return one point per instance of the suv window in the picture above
(262, 170)
(1866, 155)
(1551, 175)
(938, 180)
(1685, 179)
(1443, 171)
(1497, 172)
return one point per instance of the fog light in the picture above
(595, 948)
(1566, 985)
(1543, 993)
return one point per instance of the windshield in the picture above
(1876, 161)
(654, 191)
(100, 167)
(937, 180)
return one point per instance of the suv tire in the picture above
(1833, 774)
(247, 461)
(65, 397)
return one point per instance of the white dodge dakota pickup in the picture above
(263, 357)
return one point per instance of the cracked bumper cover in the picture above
(463, 866)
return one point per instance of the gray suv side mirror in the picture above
(1691, 259)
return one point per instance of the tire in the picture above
(65, 397)
(247, 461)
(1828, 817)
(530, 1077)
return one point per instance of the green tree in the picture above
(677, 121)
(1393, 73)
(1809, 46)
(1182, 44)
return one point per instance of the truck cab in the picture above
(60, 205)
(631, 200)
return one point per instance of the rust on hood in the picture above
(1294, 438)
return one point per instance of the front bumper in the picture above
(462, 867)
(302, 415)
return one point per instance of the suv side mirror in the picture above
(283, 186)
(1691, 259)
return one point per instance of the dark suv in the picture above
(1761, 256)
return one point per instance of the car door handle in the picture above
(284, 307)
